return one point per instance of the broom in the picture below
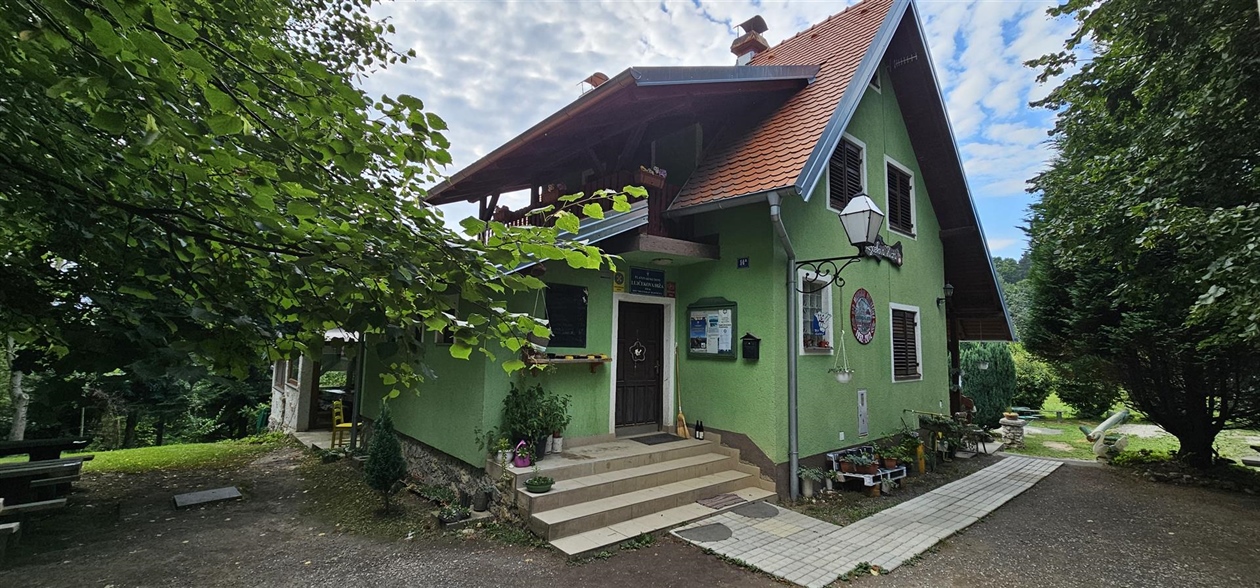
(682, 420)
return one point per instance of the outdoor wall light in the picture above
(949, 294)
(861, 221)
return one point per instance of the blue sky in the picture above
(492, 69)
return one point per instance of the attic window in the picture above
(846, 173)
(875, 82)
(900, 198)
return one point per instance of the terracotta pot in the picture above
(868, 469)
(890, 462)
(846, 467)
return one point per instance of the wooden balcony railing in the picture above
(660, 195)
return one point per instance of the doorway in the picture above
(640, 367)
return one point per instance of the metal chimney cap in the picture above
(755, 24)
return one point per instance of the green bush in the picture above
(1034, 379)
(385, 466)
(991, 389)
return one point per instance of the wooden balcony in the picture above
(660, 195)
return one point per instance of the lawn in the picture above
(175, 457)
(1064, 439)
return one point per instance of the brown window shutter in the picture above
(905, 352)
(899, 196)
(845, 173)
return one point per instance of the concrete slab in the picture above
(206, 497)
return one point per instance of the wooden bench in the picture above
(37, 481)
(7, 530)
(43, 449)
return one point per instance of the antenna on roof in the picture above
(751, 42)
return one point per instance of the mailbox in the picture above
(752, 346)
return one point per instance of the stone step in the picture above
(624, 454)
(603, 512)
(616, 482)
(597, 539)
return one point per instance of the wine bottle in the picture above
(700, 430)
(695, 431)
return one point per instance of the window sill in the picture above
(918, 378)
(906, 234)
(818, 351)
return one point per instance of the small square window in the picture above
(815, 313)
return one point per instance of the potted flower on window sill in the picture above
(842, 375)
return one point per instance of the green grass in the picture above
(174, 457)
(1231, 444)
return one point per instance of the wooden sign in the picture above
(881, 250)
(862, 316)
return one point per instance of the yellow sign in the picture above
(619, 282)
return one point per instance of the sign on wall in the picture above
(647, 282)
(711, 329)
(862, 316)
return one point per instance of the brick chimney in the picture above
(751, 42)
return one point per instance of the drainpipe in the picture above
(361, 376)
(793, 336)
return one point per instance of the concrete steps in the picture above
(612, 492)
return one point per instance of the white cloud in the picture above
(492, 69)
(998, 244)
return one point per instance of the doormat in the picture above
(721, 501)
(656, 439)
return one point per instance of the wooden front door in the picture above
(640, 359)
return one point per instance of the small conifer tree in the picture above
(385, 464)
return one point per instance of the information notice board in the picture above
(711, 328)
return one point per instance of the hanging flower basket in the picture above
(842, 375)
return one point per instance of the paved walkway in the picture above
(810, 552)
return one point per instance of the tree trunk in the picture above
(1196, 447)
(160, 429)
(129, 433)
(21, 400)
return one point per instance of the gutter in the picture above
(776, 219)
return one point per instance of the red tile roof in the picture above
(773, 153)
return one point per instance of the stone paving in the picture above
(810, 552)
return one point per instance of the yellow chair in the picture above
(340, 427)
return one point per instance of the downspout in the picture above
(793, 336)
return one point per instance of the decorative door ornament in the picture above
(862, 316)
(638, 352)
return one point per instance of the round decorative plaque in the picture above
(862, 316)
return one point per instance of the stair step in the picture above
(574, 519)
(616, 482)
(597, 539)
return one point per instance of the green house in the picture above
(719, 306)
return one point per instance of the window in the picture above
(846, 174)
(900, 198)
(566, 315)
(815, 317)
(906, 353)
(875, 82)
(447, 335)
(295, 369)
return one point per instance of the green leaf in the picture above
(389, 379)
(461, 350)
(219, 101)
(567, 221)
(225, 124)
(103, 36)
(137, 292)
(513, 365)
(541, 331)
(593, 210)
(472, 226)
(301, 209)
(113, 122)
(164, 20)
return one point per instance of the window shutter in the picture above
(905, 351)
(899, 197)
(845, 174)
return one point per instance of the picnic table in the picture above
(1025, 413)
(43, 449)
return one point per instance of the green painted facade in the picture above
(749, 397)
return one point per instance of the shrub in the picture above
(992, 389)
(385, 466)
(1034, 379)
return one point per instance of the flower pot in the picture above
(649, 180)
(868, 469)
(844, 376)
(890, 462)
(538, 488)
(481, 501)
(557, 443)
(807, 488)
(541, 446)
(521, 461)
(846, 467)
(449, 520)
(505, 457)
(831, 484)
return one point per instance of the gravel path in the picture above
(1096, 526)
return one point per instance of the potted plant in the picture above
(452, 513)
(809, 477)
(525, 417)
(863, 463)
(891, 455)
(842, 375)
(557, 417)
(481, 498)
(539, 484)
(503, 448)
(846, 465)
(830, 477)
(524, 455)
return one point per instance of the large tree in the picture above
(206, 177)
(1145, 253)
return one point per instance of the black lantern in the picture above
(752, 346)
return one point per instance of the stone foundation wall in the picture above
(429, 466)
